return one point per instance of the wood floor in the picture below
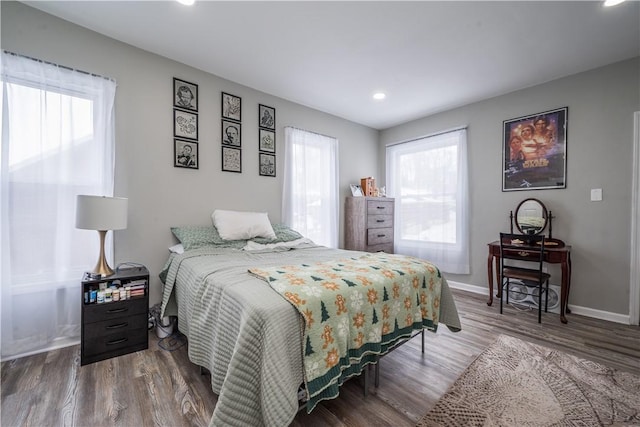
(156, 387)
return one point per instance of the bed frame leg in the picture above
(376, 382)
(422, 333)
(365, 372)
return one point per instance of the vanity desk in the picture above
(532, 218)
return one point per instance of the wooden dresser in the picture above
(368, 224)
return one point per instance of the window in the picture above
(57, 142)
(428, 178)
(310, 195)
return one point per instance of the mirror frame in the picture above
(545, 215)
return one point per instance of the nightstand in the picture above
(114, 325)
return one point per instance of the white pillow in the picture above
(235, 225)
(177, 249)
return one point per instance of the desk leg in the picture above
(490, 274)
(564, 290)
(567, 309)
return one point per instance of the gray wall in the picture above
(601, 103)
(160, 195)
(600, 146)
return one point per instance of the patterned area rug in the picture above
(515, 383)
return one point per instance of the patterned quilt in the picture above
(355, 309)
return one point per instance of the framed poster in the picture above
(185, 154)
(185, 124)
(266, 117)
(231, 159)
(231, 107)
(267, 164)
(267, 141)
(534, 151)
(231, 133)
(185, 95)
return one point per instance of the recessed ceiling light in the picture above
(379, 95)
(186, 2)
(608, 3)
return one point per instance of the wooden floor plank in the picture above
(157, 387)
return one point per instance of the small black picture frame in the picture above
(267, 164)
(231, 133)
(185, 124)
(185, 95)
(231, 159)
(231, 107)
(185, 154)
(266, 117)
(267, 141)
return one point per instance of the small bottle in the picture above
(107, 295)
(100, 297)
(123, 293)
(128, 290)
(93, 294)
(115, 295)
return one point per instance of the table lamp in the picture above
(102, 214)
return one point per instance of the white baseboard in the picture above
(484, 290)
(599, 314)
(582, 311)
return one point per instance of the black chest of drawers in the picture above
(114, 328)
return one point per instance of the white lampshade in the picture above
(101, 213)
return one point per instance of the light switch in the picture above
(596, 194)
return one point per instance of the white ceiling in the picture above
(333, 55)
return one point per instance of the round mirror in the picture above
(531, 216)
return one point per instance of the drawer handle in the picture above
(118, 310)
(379, 220)
(119, 325)
(380, 207)
(117, 341)
(381, 235)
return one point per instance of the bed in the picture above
(252, 339)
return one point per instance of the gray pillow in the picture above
(197, 236)
(283, 234)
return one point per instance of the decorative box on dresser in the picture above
(118, 326)
(368, 224)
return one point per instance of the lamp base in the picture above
(102, 267)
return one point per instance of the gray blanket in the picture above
(246, 334)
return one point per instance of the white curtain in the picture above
(428, 178)
(310, 194)
(57, 142)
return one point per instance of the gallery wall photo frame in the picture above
(185, 124)
(267, 141)
(266, 117)
(185, 154)
(231, 107)
(267, 164)
(231, 159)
(534, 151)
(231, 133)
(185, 95)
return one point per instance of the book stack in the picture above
(137, 287)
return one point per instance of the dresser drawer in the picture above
(385, 247)
(114, 310)
(106, 327)
(376, 236)
(119, 340)
(379, 207)
(380, 221)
